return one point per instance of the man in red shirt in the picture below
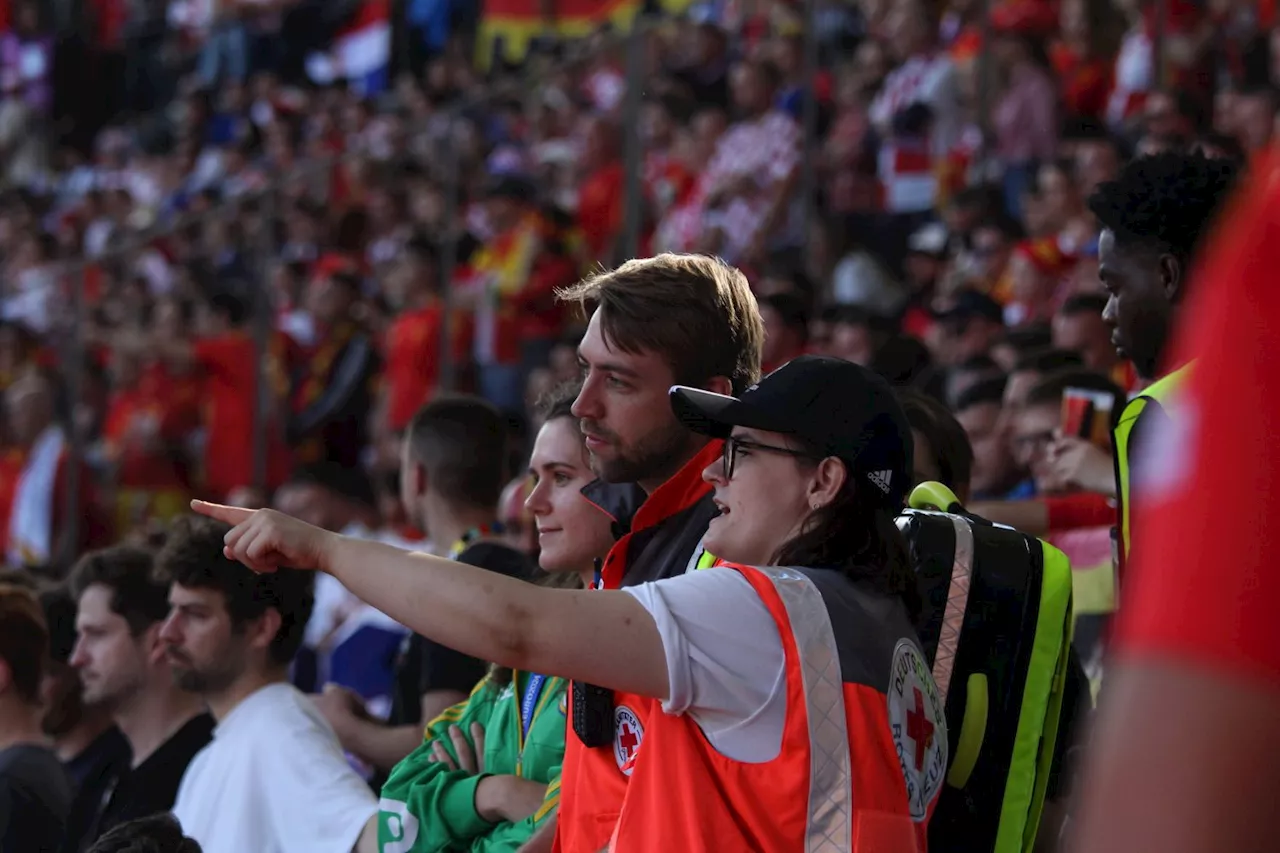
(411, 344)
(225, 355)
(601, 194)
(143, 434)
(1187, 753)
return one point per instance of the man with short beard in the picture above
(655, 322)
(89, 745)
(120, 606)
(274, 778)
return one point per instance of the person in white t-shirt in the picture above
(274, 778)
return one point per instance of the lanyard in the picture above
(529, 703)
(473, 536)
(530, 707)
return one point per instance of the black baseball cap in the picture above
(967, 304)
(840, 408)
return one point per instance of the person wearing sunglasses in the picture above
(789, 680)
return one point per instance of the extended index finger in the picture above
(230, 514)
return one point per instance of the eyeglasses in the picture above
(732, 446)
(1026, 445)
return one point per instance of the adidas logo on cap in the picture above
(881, 479)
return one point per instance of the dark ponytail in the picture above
(857, 535)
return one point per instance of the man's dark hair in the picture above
(1025, 339)
(461, 441)
(160, 833)
(423, 251)
(1165, 202)
(59, 620)
(129, 574)
(1049, 391)
(902, 360)
(1084, 303)
(192, 557)
(695, 311)
(952, 453)
(792, 310)
(1048, 361)
(981, 393)
(231, 306)
(24, 640)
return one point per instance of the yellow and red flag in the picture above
(509, 26)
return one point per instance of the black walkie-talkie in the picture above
(593, 708)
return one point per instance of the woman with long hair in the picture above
(778, 702)
(483, 777)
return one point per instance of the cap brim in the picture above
(716, 415)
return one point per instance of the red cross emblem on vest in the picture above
(919, 728)
(627, 739)
(628, 733)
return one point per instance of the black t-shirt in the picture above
(425, 666)
(35, 797)
(144, 790)
(99, 762)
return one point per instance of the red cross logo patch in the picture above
(919, 727)
(627, 736)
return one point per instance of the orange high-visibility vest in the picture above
(864, 746)
(593, 784)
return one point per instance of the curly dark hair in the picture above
(1165, 201)
(128, 572)
(159, 833)
(192, 557)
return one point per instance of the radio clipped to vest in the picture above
(995, 627)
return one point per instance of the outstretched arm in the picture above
(605, 638)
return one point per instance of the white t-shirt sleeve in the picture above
(725, 661)
(319, 803)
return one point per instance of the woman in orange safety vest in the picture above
(778, 702)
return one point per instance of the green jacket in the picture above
(426, 807)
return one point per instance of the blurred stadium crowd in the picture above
(243, 242)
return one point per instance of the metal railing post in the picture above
(628, 245)
(452, 189)
(70, 532)
(261, 306)
(809, 118)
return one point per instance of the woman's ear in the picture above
(828, 479)
(719, 385)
